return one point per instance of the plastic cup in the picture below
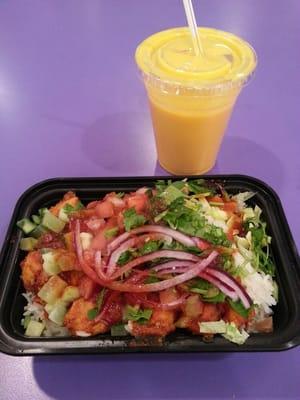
(191, 98)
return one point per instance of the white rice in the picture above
(258, 285)
(36, 312)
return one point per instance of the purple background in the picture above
(71, 104)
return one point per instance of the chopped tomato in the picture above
(138, 201)
(230, 206)
(105, 209)
(235, 225)
(215, 199)
(92, 204)
(233, 316)
(202, 244)
(99, 242)
(87, 287)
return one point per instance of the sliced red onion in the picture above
(175, 303)
(166, 284)
(85, 267)
(99, 266)
(156, 236)
(233, 283)
(179, 255)
(173, 266)
(178, 236)
(227, 290)
(113, 245)
(115, 255)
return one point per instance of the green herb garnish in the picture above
(125, 257)
(238, 307)
(93, 312)
(109, 233)
(189, 221)
(137, 315)
(68, 208)
(150, 247)
(132, 219)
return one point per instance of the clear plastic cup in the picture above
(192, 98)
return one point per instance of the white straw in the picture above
(190, 16)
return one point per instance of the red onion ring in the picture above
(166, 284)
(181, 255)
(231, 282)
(227, 290)
(178, 236)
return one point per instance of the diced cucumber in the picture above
(38, 231)
(50, 265)
(53, 223)
(28, 244)
(52, 289)
(49, 308)
(34, 328)
(25, 321)
(26, 225)
(86, 240)
(63, 215)
(36, 219)
(118, 330)
(211, 292)
(58, 312)
(70, 294)
(42, 211)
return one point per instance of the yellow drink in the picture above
(191, 98)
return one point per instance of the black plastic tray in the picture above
(286, 314)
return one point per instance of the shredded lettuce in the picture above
(213, 327)
(234, 335)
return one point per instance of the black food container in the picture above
(286, 332)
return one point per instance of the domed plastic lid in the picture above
(168, 57)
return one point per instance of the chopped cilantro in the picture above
(238, 307)
(120, 195)
(150, 247)
(136, 314)
(192, 223)
(68, 208)
(171, 193)
(218, 298)
(93, 312)
(200, 286)
(109, 233)
(132, 219)
(125, 257)
(260, 243)
(199, 186)
(151, 279)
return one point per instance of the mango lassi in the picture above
(192, 97)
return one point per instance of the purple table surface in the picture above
(71, 104)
